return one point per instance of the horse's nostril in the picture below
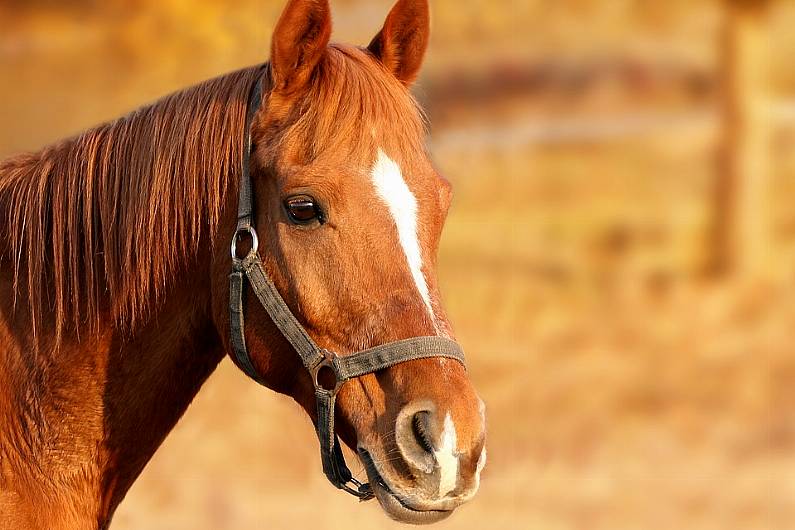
(421, 425)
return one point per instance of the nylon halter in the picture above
(314, 358)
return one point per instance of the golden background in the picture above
(629, 383)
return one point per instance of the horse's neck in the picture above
(78, 424)
(82, 423)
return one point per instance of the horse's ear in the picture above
(401, 43)
(299, 42)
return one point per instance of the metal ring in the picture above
(327, 362)
(254, 242)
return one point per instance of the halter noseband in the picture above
(314, 358)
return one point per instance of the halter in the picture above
(314, 358)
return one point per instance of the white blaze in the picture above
(480, 465)
(447, 459)
(392, 188)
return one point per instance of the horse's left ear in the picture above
(299, 42)
(401, 43)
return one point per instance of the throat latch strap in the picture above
(315, 359)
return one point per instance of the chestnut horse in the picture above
(114, 275)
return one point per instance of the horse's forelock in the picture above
(354, 106)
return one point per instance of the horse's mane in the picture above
(112, 213)
(118, 207)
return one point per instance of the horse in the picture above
(117, 302)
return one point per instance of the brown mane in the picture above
(119, 207)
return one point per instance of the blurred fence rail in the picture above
(563, 130)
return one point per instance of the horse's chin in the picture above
(394, 506)
(400, 512)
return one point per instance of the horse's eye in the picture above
(302, 209)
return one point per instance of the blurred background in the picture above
(619, 261)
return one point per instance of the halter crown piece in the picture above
(313, 357)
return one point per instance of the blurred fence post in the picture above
(742, 234)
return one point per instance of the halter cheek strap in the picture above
(315, 359)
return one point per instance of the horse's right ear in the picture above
(401, 43)
(299, 42)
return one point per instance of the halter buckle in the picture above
(362, 490)
(254, 242)
(327, 363)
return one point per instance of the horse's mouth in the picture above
(396, 507)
